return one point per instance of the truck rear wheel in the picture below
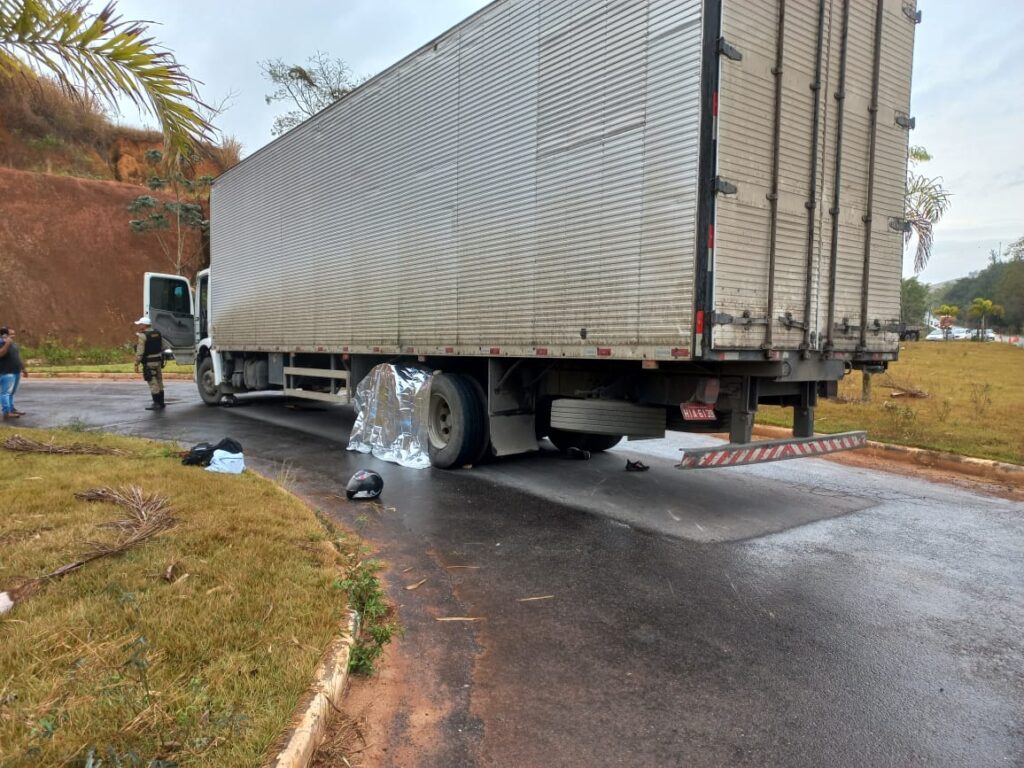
(456, 427)
(206, 380)
(564, 440)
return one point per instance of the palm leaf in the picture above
(927, 201)
(107, 55)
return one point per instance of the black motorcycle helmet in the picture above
(364, 484)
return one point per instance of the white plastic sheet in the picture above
(227, 463)
(392, 404)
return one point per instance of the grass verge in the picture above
(973, 408)
(53, 351)
(45, 370)
(54, 356)
(121, 663)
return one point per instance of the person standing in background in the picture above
(11, 371)
(149, 353)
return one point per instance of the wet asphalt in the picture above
(795, 614)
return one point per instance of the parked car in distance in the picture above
(937, 334)
(988, 335)
(959, 334)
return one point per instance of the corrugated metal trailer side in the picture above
(813, 104)
(525, 184)
(556, 190)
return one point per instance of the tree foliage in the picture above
(309, 89)
(984, 309)
(927, 201)
(184, 214)
(1015, 250)
(1001, 280)
(101, 53)
(914, 297)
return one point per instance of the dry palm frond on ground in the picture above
(902, 387)
(19, 443)
(149, 516)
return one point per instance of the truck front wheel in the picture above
(456, 426)
(206, 380)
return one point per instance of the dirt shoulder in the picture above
(978, 475)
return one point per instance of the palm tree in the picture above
(106, 55)
(926, 202)
(947, 310)
(984, 309)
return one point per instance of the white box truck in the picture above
(593, 219)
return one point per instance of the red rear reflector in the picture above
(700, 322)
(449, 350)
(495, 350)
(376, 349)
(410, 350)
(680, 352)
(711, 235)
(714, 103)
(649, 365)
(604, 352)
(540, 351)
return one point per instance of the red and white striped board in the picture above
(771, 450)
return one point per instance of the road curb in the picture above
(316, 711)
(1012, 474)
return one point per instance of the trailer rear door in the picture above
(812, 134)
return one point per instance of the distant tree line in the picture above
(1001, 284)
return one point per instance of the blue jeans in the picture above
(7, 382)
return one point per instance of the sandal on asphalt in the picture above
(578, 454)
(636, 466)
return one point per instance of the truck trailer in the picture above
(591, 219)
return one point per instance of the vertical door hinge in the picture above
(911, 13)
(723, 187)
(906, 122)
(729, 51)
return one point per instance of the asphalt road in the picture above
(794, 614)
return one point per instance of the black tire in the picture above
(564, 440)
(455, 424)
(542, 417)
(484, 452)
(209, 390)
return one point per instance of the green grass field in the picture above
(975, 403)
(46, 370)
(118, 662)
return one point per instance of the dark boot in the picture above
(160, 401)
(156, 403)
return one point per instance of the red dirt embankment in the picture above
(70, 266)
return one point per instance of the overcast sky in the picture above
(968, 87)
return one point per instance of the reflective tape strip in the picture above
(773, 450)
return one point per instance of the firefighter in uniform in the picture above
(149, 353)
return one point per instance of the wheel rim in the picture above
(208, 382)
(439, 422)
